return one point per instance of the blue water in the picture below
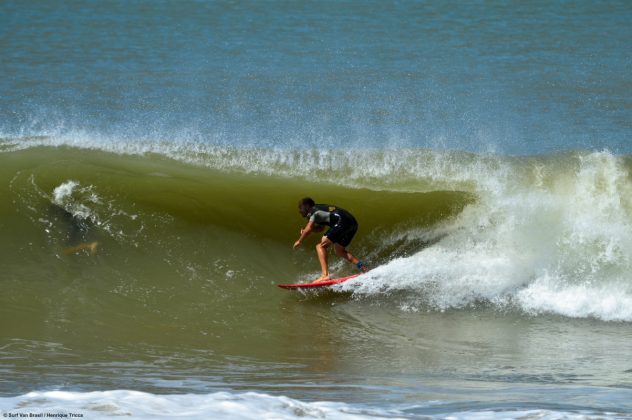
(506, 77)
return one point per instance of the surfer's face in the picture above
(303, 209)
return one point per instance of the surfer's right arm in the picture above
(309, 228)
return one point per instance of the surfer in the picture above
(77, 232)
(342, 228)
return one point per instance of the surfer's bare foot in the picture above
(92, 246)
(321, 279)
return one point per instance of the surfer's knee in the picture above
(321, 246)
(324, 243)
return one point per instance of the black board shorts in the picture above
(342, 232)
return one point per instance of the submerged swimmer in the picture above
(342, 228)
(77, 233)
(90, 247)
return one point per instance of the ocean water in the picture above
(484, 147)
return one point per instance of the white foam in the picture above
(63, 197)
(239, 406)
(142, 405)
(605, 301)
(63, 191)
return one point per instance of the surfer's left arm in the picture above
(309, 228)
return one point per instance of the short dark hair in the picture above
(307, 202)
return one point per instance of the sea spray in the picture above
(562, 249)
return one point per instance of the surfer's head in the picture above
(305, 206)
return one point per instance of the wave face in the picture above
(548, 234)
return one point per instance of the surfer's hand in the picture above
(297, 244)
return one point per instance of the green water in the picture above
(186, 256)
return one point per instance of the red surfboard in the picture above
(317, 285)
